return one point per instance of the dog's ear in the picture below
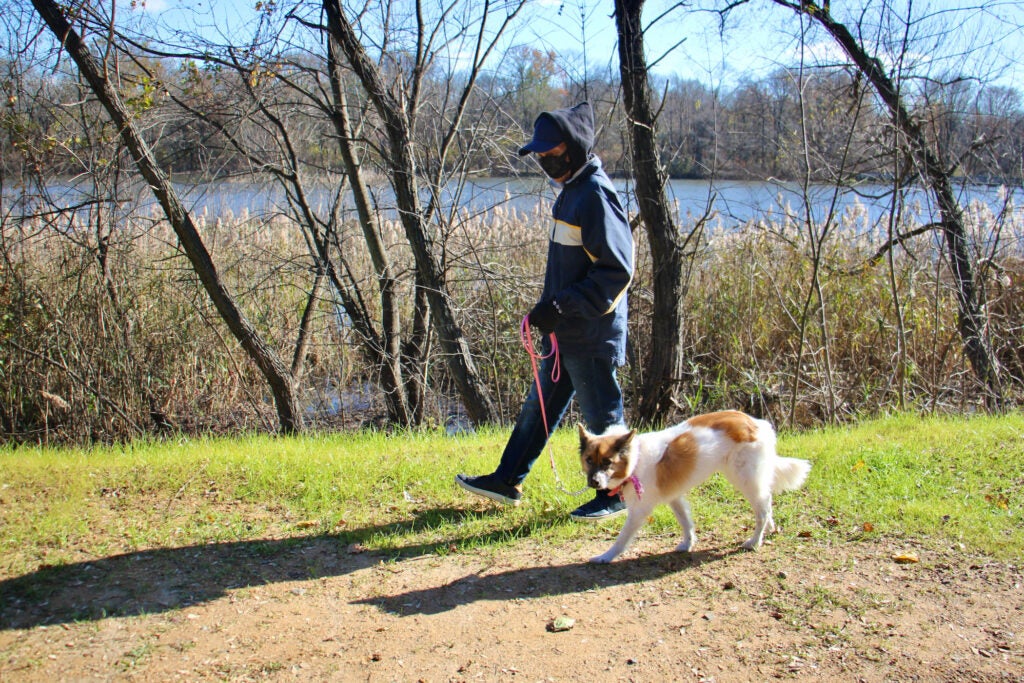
(584, 435)
(624, 441)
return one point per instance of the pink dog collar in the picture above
(637, 486)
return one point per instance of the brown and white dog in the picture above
(662, 467)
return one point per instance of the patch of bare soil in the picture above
(309, 609)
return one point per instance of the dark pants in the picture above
(591, 380)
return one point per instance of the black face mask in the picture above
(555, 166)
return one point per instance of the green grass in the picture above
(954, 479)
(947, 480)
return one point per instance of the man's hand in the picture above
(544, 316)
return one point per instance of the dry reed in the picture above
(108, 335)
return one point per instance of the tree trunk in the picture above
(933, 171)
(270, 364)
(664, 365)
(390, 353)
(475, 396)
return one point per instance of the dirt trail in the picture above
(301, 610)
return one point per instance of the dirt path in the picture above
(302, 610)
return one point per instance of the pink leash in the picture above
(556, 373)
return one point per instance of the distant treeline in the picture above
(825, 126)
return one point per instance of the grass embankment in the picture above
(945, 481)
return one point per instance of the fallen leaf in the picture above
(1000, 501)
(906, 558)
(869, 527)
(308, 523)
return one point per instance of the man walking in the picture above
(584, 302)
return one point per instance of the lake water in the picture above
(732, 202)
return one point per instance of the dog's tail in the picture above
(790, 474)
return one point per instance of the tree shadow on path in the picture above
(160, 580)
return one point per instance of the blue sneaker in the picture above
(599, 509)
(489, 486)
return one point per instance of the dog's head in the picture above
(607, 459)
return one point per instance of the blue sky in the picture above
(757, 39)
(760, 37)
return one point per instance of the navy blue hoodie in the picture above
(590, 256)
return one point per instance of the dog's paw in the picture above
(602, 559)
(751, 544)
(685, 546)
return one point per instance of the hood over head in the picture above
(573, 126)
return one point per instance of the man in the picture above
(589, 268)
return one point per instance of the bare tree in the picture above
(273, 368)
(282, 101)
(936, 171)
(664, 367)
(397, 103)
(405, 395)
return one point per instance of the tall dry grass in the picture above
(817, 323)
(107, 334)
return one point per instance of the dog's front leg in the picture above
(638, 513)
(681, 508)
